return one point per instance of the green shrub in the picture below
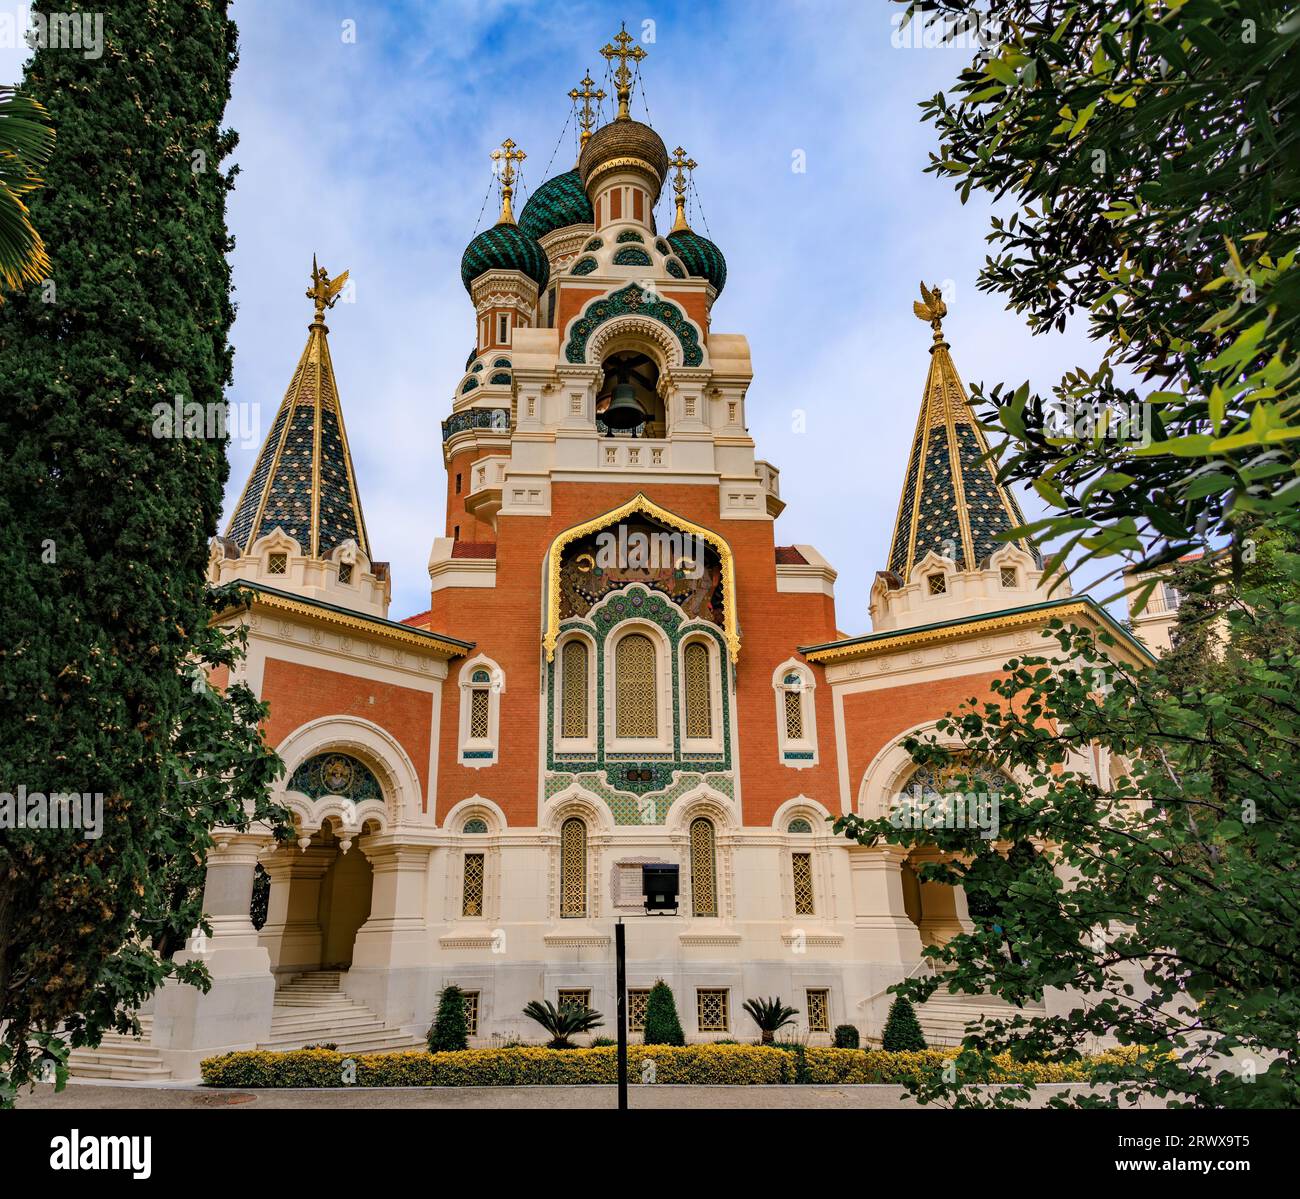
(449, 1030)
(902, 1029)
(603, 1042)
(661, 1024)
(846, 1036)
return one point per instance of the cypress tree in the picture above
(449, 1030)
(104, 528)
(661, 1024)
(902, 1029)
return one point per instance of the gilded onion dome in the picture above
(700, 256)
(624, 144)
(557, 204)
(504, 247)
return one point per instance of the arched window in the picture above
(480, 705)
(799, 825)
(697, 688)
(573, 867)
(573, 690)
(481, 687)
(475, 825)
(796, 715)
(793, 707)
(636, 696)
(704, 886)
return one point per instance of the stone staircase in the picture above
(121, 1057)
(311, 1009)
(944, 1017)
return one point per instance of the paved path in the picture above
(85, 1095)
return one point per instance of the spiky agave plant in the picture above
(26, 143)
(563, 1022)
(771, 1015)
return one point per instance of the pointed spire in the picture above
(508, 156)
(303, 481)
(586, 113)
(680, 166)
(622, 76)
(952, 502)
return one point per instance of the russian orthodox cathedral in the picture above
(620, 664)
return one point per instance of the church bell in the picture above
(623, 412)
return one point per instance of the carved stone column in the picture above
(884, 931)
(292, 932)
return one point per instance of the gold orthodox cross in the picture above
(622, 76)
(505, 158)
(586, 114)
(680, 165)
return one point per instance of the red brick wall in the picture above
(298, 694)
(471, 528)
(506, 625)
(874, 719)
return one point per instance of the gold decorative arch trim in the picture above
(640, 504)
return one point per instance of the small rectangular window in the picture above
(458, 484)
(455, 533)
(803, 884)
(503, 329)
(636, 1005)
(471, 1013)
(472, 896)
(1008, 576)
(277, 564)
(345, 572)
(579, 997)
(819, 1011)
(479, 706)
(711, 1010)
(794, 714)
(938, 584)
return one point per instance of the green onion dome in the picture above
(701, 257)
(557, 204)
(504, 247)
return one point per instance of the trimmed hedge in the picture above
(697, 1065)
(700, 1065)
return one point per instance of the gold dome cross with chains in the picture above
(680, 165)
(508, 156)
(586, 113)
(622, 76)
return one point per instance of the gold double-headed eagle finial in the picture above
(622, 76)
(504, 160)
(680, 165)
(586, 113)
(931, 308)
(324, 291)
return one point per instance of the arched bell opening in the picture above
(628, 402)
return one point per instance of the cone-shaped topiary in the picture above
(902, 1030)
(661, 1024)
(449, 1030)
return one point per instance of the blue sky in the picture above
(368, 144)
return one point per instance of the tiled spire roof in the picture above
(304, 482)
(952, 502)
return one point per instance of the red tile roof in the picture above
(788, 555)
(474, 549)
(420, 620)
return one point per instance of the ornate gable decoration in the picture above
(633, 300)
(717, 592)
